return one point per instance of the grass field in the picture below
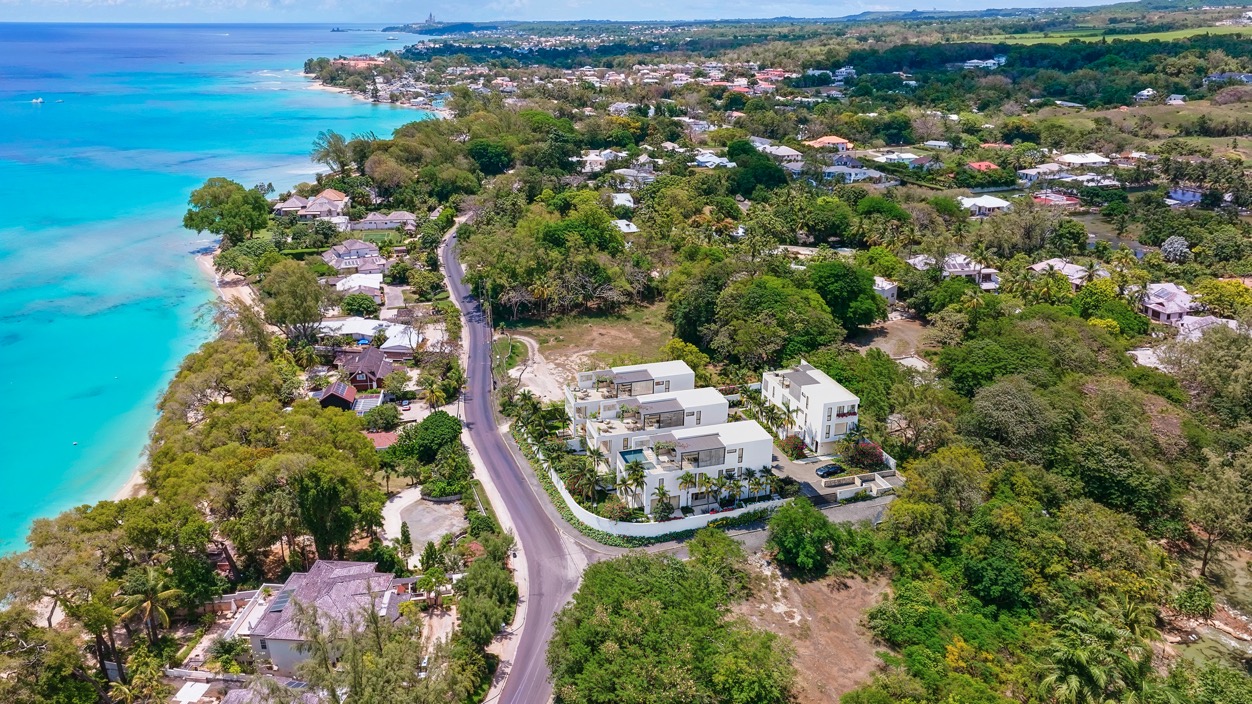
(1095, 35)
(635, 335)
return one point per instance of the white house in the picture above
(1145, 95)
(1042, 172)
(398, 219)
(709, 160)
(626, 227)
(360, 257)
(821, 410)
(623, 199)
(327, 204)
(599, 391)
(1193, 327)
(1166, 303)
(399, 342)
(894, 157)
(956, 264)
(727, 450)
(887, 289)
(782, 153)
(938, 143)
(1088, 159)
(619, 426)
(984, 205)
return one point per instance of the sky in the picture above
(400, 11)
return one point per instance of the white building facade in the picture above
(821, 411)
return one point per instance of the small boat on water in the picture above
(391, 39)
(37, 101)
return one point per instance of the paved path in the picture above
(552, 563)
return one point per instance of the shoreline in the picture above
(315, 84)
(231, 287)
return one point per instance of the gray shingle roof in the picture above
(339, 591)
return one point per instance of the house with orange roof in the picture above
(830, 142)
(982, 166)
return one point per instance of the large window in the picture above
(668, 419)
(704, 458)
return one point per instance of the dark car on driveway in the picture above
(829, 470)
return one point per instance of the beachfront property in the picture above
(399, 341)
(323, 206)
(355, 256)
(368, 284)
(814, 406)
(961, 265)
(1166, 303)
(600, 392)
(1078, 275)
(679, 466)
(339, 590)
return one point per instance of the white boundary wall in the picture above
(639, 530)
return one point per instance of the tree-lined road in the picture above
(551, 575)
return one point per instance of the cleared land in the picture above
(1095, 35)
(636, 335)
(834, 653)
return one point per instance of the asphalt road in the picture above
(552, 576)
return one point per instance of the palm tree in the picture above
(146, 593)
(686, 482)
(756, 485)
(661, 494)
(435, 396)
(331, 150)
(596, 455)
(583, 479)
(635, 479)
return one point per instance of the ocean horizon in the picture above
(100, 297)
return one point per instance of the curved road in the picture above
(551, 576)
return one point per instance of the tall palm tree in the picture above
(435, 396)
(635, 479)
(662, 495)
(146, 594)
(583, 479)
(756, 485)
(596, 455)
(686, 482)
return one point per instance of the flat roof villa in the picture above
(597, 392)
(716, 451)
(821, 410)
(957, 264)
(615, 429)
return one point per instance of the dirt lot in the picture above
(566, 346)
(834, 653)
(898, 338)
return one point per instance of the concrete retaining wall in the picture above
(639, 530)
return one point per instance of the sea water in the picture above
(100, 297)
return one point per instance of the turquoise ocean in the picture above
(100, 297)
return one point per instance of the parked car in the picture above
(829, 470)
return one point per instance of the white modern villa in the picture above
(819, 409)
(617, 429)
(686, 464)
(600, 392)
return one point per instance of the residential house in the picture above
(1166, 303)
(782, 153)
(1192, 328)
(852, 174)
(397, 220)
(1228, 77)
(633, 178)
(620, 426)
(1042, 172)
(1176, 99)
(595, 160)
(325, 205)
(598, 392)
(845, 160)
(983, 166)
(839, 144)
(1078, 275)
(982, 206)
(621, 109)
(1145, 95)
(291, 206)
(937, 144)
(340, 591)
(816, 407)
(338, 395)
(626, 227)
(624, 200)
(720, 451)
(399, 341)
(365, 369)
(988, 64)
(925, 163)
(355, 255)
(961, 265)
(1088, 159)
(894, 157)
(887, 289)
(709, 160)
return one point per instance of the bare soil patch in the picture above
(899, 337)
(822, 620)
